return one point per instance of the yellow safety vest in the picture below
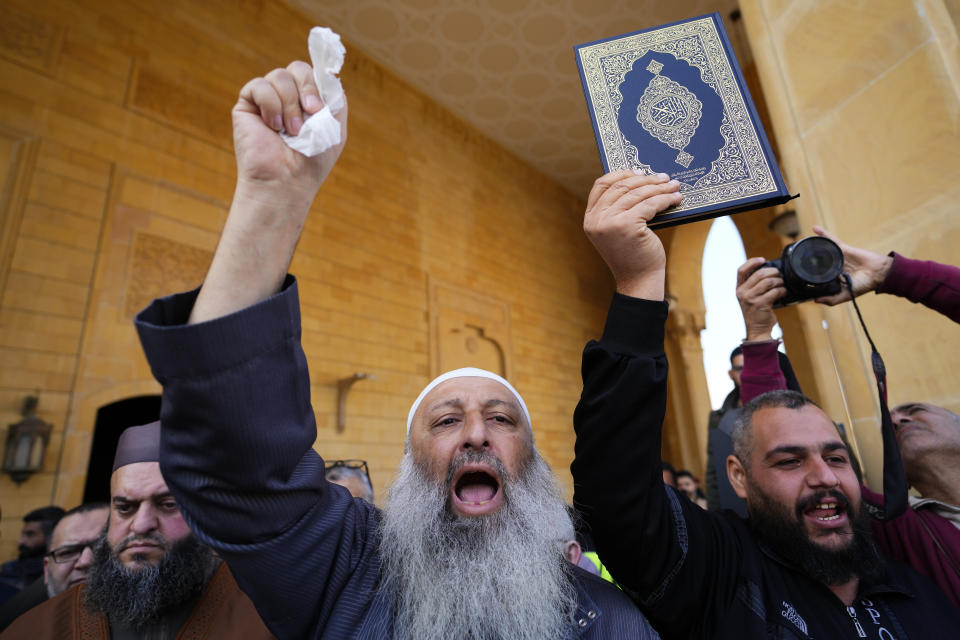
(595, 559)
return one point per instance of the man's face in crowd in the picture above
(736, 368)
(923, 428)
(687, 484)
(145, 521)
(800, 465)
(148, 563)
(73, 537)
(804, 499)
(471, 491)
(471, 432)
(33, 542)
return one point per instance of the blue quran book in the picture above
(672, 99)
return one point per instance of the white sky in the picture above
(722, 255)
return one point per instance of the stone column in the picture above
(863, 98)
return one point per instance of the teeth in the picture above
(828, 518)
(824, 505)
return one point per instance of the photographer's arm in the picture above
(932, 284)
(757, 290)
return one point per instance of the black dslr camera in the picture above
(810, 268)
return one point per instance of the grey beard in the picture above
(501, 576)
(138, 597)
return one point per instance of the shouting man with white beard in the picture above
(470, 542)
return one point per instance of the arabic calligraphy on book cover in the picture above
(667, 100)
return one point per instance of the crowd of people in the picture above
(224, 522)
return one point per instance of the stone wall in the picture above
(428, 247)
(865, 99)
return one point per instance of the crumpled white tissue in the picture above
(321, 130)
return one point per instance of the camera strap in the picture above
(894, 477)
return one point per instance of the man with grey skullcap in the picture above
(468, 544)
(150, 578)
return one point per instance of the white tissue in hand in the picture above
(321, 130)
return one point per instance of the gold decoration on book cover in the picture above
(669, 112)
(670, 115)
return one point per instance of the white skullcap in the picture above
(466, 372)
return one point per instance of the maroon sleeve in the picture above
(761, 370)
(932, 284)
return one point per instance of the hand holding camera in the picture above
(810, 269)
(867, 269)
(807, 269)
(758, 288)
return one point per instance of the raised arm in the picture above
(238, 428)
(757, 290)
(275, 188)
(644, 532)
(617, 456)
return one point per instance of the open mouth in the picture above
(476, 487)
(826, 511)
(476, 490)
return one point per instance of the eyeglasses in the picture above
(70, 552)
(349, 464)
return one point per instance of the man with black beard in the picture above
(821, 533)
(469, 544)
(145, 596)
(31, 547)
(150, 578)
(803, 565)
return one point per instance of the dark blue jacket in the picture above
(237, 453)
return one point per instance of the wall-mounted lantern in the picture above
(27, 443)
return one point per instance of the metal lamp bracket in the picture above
(343, 387)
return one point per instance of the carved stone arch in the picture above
(465, 344)
(468, 329)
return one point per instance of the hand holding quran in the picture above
(619, 209)
(672, 100)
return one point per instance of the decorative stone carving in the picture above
(468, 329)
(160, 266)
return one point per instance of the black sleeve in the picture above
(678, 561)
(237, 452)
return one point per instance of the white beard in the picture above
(501, 576)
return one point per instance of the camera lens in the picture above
(816, 260)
